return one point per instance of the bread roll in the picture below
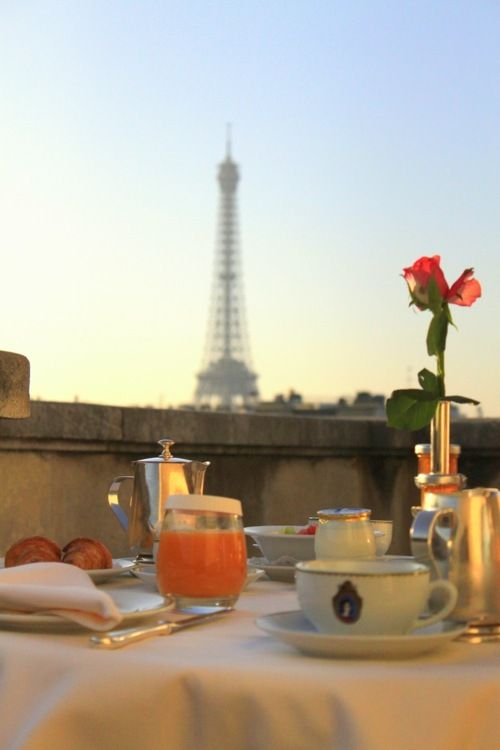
(32, 549)
(89, 554)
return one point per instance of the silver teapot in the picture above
(153, 481)
(458, 535)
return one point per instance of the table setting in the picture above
(230, 683)
(292, 636)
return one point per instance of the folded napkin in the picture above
(57, 589)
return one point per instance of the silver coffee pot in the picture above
(458, 536)
(153, 481)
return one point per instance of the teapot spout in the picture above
(195, 476)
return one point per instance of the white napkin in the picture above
(57, 589)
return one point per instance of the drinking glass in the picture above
(202, 552)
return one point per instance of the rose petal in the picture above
(465, 289)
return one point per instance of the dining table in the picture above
(230, 685)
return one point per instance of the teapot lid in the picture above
(165, 455)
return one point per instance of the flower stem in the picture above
(440, 374)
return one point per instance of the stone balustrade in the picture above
(56, 466)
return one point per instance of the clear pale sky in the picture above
(367, 134)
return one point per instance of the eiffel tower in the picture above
(226, 381)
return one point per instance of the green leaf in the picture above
(429, 382)
(461, 400)
(416, 394)
(410, 409)
(436, 335)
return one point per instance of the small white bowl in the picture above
(276, 546)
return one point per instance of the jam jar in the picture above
(423, 454)
(344, 533)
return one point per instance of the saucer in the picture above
(119, 567)
(294, 628)
(133, 604)
(253, 574)
(284, 573)
(148, 576)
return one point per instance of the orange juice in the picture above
(209, 563)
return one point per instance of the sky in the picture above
(366, 133)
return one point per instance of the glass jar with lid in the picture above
(202, 551)
(344, 533)
(423, 454)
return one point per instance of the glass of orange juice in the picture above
(201, 557)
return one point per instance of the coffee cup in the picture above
(382, 531)
(371, 597)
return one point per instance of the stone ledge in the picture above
(56, 420)
(77, 427)
(57, 466)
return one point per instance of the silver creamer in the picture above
(458, 535)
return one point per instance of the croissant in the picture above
(89, 554)
(32, 549)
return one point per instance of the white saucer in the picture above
(119, 567)
(147, 574)
(133, 604)
(284, 573)
(294, 628)
(253, 574)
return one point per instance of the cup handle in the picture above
(114, 502)
(451, 595)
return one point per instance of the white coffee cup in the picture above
(383, 536)
(370, 597)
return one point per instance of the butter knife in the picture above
(126, 636)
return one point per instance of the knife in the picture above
(126, 636)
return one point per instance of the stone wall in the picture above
(56, 466)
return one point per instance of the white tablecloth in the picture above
(226, 685)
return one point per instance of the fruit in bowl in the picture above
(284, 544)
(308, 530)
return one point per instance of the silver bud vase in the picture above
(440, 439)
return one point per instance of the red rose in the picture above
(418, 277)
(413, 408)
(465, 290)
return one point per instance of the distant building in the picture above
(363, 405)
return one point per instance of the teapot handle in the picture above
(425, 542)
(114, 502)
